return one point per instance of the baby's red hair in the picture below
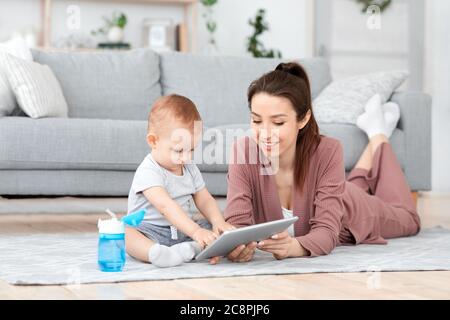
(172, 107)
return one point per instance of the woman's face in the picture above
(274, 123)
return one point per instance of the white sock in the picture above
(188, 250)
(373, 102)
(372, 120)
(391, 112)
(163, 256)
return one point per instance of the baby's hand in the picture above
(222, 226)
(204, 237)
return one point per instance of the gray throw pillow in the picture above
(342, 101)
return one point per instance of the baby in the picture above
(165, 184)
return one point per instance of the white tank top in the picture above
(288, 214)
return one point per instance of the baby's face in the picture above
(174, 146)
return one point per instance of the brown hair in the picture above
(289, 80)
(175, 106)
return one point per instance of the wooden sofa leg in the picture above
(415, 195)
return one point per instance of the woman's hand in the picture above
(282, 246)
(242, 253)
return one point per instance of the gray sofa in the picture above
(96, 150)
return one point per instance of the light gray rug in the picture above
(49, 259)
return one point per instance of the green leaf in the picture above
(122, 21)
(382, 4)
(211, 26)
(209, 3)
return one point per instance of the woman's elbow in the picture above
(324, 247)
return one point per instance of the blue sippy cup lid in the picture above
(134, 218)
(116, 226)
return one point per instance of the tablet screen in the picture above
(231, 239)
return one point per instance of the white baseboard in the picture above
(434, 194)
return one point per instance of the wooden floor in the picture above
(386, 285)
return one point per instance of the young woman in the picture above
(301, 173)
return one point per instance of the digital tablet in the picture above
(229, 240)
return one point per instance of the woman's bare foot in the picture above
(366, 159)
(376, 140)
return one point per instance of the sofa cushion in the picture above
(354, 141)
(61, 143)
(58, 143)
(106, 85)
(218, 85)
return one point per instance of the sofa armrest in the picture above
(415, 121)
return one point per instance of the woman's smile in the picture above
(268, 145)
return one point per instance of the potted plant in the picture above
(254, 45)
(113, 28)
(382, 4)
(211, 25)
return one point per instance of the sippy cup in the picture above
(111, 240)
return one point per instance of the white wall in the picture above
(437, 83)
(16, 15)
(287, 20)
(356, 49)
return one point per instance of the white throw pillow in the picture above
(7, 99)
(342, 101)
(36, 88)
(18, 48)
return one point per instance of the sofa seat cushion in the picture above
(354, 141)
(106, 85)
(58, 143)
